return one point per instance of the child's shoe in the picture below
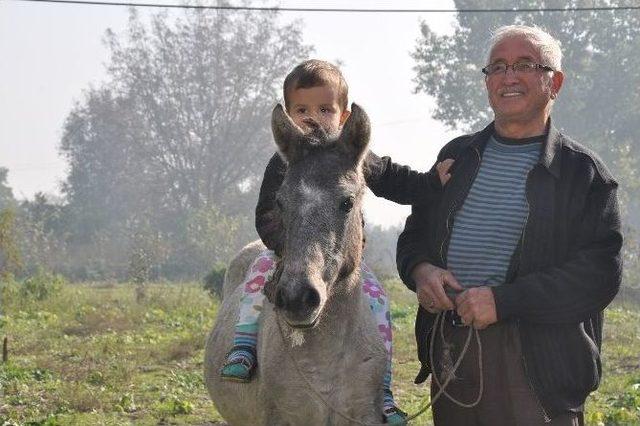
(240, 364)
(394, 416)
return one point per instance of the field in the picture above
(102, 353)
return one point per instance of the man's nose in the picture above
(510, 75)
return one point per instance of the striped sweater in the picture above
(488, 226)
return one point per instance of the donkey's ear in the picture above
(286, 133)
(356, 132)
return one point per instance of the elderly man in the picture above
(523, 246)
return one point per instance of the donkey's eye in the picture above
(347, 204)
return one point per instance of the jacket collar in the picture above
(549, 157)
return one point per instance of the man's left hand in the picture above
(477, 307)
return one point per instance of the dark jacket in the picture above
(565, 270)
(386, 179)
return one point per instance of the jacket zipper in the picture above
(546, 417)
(454, 207)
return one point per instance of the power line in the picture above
(344, 10)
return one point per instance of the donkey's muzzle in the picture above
(299, 303)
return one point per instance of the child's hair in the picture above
(314, 73)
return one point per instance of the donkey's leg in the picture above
(379, 304)
(241, 361)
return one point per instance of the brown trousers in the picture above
(507, 398)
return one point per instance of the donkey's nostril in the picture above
(311, 298)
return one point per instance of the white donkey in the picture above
(329, 331)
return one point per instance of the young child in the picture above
(315, 94)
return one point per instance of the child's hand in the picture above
(443, 170)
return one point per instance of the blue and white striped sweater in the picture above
(488, 226)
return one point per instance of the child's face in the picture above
(319, 104)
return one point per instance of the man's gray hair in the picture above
(549, 47)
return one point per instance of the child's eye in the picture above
(301, 110)
(326, 110)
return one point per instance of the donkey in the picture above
(321, 326)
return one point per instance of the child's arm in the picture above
(401, 184)
(268, 220)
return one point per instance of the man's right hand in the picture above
(430, 287)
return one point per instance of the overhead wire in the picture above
(342, 10)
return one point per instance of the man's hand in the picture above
(477, 307)
(430, 287)
(443, 170)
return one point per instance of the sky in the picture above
(51, 53)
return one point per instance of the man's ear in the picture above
(556, 83)
(344, 116)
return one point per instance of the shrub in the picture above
(42, 285)
(213, 280)
(9, 290)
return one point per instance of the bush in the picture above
(213, 280)
(9, 291)
(42, 285)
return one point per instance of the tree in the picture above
(599, 104)
(6, 194)
(10, 256)
(181, 126)
(197, 95)
(42, 228)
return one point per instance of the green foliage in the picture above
(147, 253)
(6, 193)
(43, 233)
(10, 256)
(50, 420)
(630, 291)
(214, 280)
(211, 236)
(42, 285)
(126, 403)
(92, 355)
(621, 409)
(626, 405)
(175, 406)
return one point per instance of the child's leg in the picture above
(381, 310)
(242, 359)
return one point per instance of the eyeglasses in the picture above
(518, 68)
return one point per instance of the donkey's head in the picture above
(319, 201)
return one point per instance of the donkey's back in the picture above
(230, 396)
(237, 269)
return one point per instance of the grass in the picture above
(91, 354)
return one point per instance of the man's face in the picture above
(521, 97)
(319, 104)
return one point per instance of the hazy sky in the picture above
(50, 53)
